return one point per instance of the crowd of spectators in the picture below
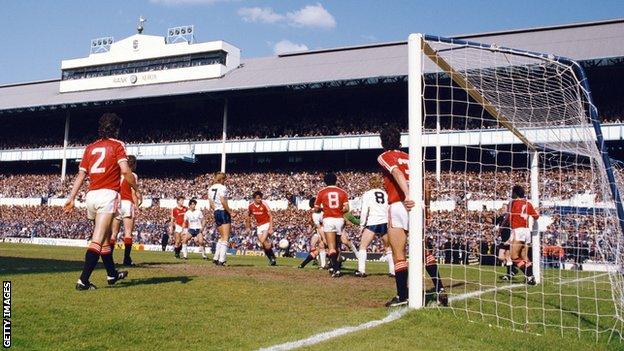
(455, 236)
(555, 184)
(152, 223)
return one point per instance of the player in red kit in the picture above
(395, 167)
(260, 211)
(334, 203)
(176, 226)
(520, 210)
(127, 210)
(104, 162)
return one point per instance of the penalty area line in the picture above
(315, 339)
(318, 338)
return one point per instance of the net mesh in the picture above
(486, 114)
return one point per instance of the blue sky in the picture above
(38, 34)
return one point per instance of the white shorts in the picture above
(262, 228)
(178, 229)
(101, 201)
(335, 225)
(126, 209)
(521, 234)
(317, 218)
(397, 216)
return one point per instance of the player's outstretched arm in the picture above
(247, 221)
(126, 172)
(402, 182)
(69, 204)
(270, 221)
(226, 206)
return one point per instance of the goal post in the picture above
(500, 117)
(416, 215)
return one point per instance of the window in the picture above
(191, 60)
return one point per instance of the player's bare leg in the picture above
(101, 233)
(333, 253)
(367, 238)
(224, 238)
(116, 228)
(199, 240)
(519, 256)
(112, 275)
(344, 238)
(128, 228)
(322, 254)
(504, 255)
(186, 237)
(388, 251)
(398, 240)
(266, 247)
(177, 236)
(322, 247)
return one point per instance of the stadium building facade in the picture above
(251, 109)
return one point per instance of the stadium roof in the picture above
(581, 41)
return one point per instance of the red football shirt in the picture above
(178, 214)
(126, 190)
(101, 163)
(260, 212)
(519, 213)
(331, 199)
(390, 160)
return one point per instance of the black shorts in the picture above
(194, 232)
(378, 229)
(504, 246)
(222, 217)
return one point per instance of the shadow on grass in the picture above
(28, 265)
(151, 281)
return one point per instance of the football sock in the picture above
(362, 261)
(107, 258)
(127, 249)
(269, 254)
(307, 260)
(184, 250)
(333, 260)
(112, 242)
(223, 253)
(353, 248)
(390, 262)
(509, 267)
(529, 270)
(91, 258)
(401, 279)
(434, 273)
(323, 256)
(202, 250)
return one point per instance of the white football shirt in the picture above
(194, 219)
(216, 192)
(374, 207)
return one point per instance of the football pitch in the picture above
(169, 304)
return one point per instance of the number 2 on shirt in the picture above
(96, 165)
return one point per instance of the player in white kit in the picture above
(317, 240)
(223, 217)
(374, 221)
(194, 223)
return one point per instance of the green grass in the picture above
(169, 304)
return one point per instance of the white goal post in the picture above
(513, 117)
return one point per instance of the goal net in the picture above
(482, 120)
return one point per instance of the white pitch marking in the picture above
(581, 279)
(315, 339)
